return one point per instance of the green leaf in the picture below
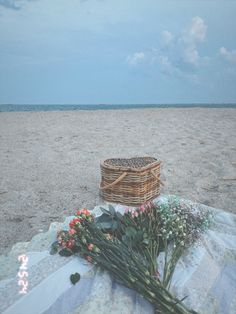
(114, 225)
(66, 252)
(126, 239)
(105, 225)
(119, 216)
(104, 218)
(145, 238)
(145, 241)
(74, 278)
(104, 222)
(130, 232)
(54, 248)
(105, 211)
(112, 210)
(76, 249)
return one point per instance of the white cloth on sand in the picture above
(206, 274)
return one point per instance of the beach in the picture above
(50, 161)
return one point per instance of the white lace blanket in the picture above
(206, 274)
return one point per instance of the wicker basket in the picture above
(131, 181)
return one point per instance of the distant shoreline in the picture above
(23, 108)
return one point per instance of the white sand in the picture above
(49, 161)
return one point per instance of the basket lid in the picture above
(135, 163)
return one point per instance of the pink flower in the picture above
(90, 246)
(158, 275)
(63, 243)
(127, 210)
(142, 208)
(135, 214)
(70, 243)
(74, 222)
(89, 259)
(72, 231)
(150, 205)
(84, 211)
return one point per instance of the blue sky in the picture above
(126, 51)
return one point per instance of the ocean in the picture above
(12, 108)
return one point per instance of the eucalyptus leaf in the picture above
(145, 241)
(126, 239)
(139, 235)
(145, 238)
(130, 232)
(114, 225)
(54, 248)
(112, 210)
(66, 252)
(104, 218)
(74, 278)
(105, 211)
(119, 216)
(105, 225)
(76, 249)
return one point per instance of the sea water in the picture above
(11, 107)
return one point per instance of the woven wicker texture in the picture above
(131, 181)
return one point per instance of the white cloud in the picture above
(167, 37)
(176, 55)
(166, 65)
(191, 55)
(136, 58)
(229, 56)
(196, 32)
(170, 69)
(192, 36)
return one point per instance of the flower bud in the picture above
(152, 294)
(132, 279)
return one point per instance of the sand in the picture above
(49, 161)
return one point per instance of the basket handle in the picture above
(114, 182)
(157, 177)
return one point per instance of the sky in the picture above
(117, 52)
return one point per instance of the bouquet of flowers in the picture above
(128, 246)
